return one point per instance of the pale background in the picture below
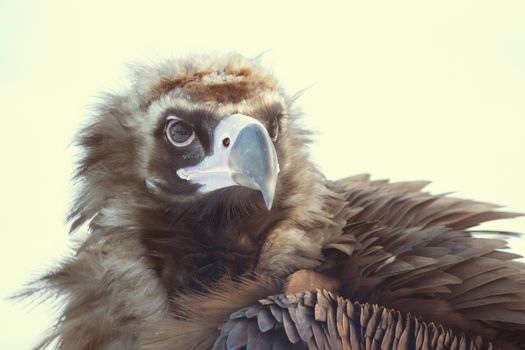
(401, 89)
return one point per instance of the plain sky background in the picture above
(405, 90)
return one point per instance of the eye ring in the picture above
(178, 132)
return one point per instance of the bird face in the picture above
(201, 149)
(211, 130)
(213, 136)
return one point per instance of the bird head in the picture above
(199, 129)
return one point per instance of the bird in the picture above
(208, 226)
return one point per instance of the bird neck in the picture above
(192, 246)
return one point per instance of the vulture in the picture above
(208, 227)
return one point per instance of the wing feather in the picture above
(342, 325)
(412, 250)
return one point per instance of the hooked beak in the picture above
(243, 155)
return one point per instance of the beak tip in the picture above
(268, 195)
(268, 202)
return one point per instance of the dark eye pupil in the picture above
(179, 132)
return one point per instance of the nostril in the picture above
(226, 142)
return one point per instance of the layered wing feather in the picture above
(320, 320)
(411, 251)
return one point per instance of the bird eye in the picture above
(178, 132)
(273, 129)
